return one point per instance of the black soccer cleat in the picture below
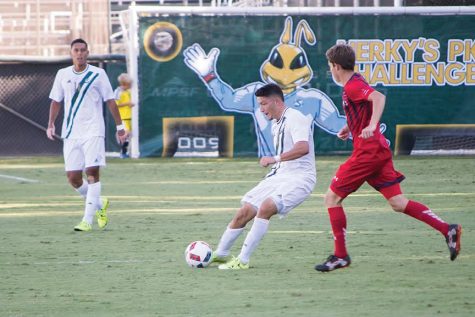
(453, 240)
(332, 263)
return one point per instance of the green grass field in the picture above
(136, 266)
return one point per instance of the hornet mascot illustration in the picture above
(286, 66)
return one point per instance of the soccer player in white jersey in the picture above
(289, 182)
(83, 88)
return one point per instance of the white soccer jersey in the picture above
(291, 128)
(83, 95)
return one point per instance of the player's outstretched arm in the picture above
(299, 149)
(54, 109)
(378, 100)
(121, 134)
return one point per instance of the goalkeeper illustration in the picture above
(288, 67)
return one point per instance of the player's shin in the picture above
(255, 235)
(82, 190)
(424, 214)
(92, 201)
(227, 240)
(338, 223)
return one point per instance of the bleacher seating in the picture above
(45, 28)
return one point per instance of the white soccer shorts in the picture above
(287, 192)
(83, 153)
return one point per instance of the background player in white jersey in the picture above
(83, 88)
(289, 182)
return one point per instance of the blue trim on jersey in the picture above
(80, 102)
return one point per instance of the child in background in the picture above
(124, 102)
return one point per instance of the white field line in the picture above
(131, 261)
(152, 199)
(170, 199)
(20, 179)
(198, 182)
(213, 162)
(144, 198)
(143, 211)
(421, 194)
(298, 232)
(10, 205)
(327, 232)
(182, 211)
(141, 261)
(23, 205)
(8, 166)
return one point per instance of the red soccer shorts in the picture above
(380, 174)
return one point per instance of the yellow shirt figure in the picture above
(124, 103)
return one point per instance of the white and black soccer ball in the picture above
(198, 254)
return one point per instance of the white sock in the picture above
(93, 202)
(255, 235)
(82, 190)
(227, 240)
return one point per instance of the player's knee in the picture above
(75, 182)
(398, 203)
(243, 216)
(94, 178)
(92, 174)
(331, 199)
(74, 179)
(397, 208)
(267, 209)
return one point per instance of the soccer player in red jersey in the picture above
(371, 161)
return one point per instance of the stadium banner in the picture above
(211, 65)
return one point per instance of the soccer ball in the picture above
(198, 254)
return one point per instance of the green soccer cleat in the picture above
(219, 259)
(102, 214)
(234, 264)
(83, 226)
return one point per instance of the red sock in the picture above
(424, 214)
(338, 222)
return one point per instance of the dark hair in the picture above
(270, 90)
(343, 55)
(78, 41)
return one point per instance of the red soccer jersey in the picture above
(371, 160)
(357, 107)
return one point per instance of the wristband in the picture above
(120, 127)
(209, 77)
(277, 158)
